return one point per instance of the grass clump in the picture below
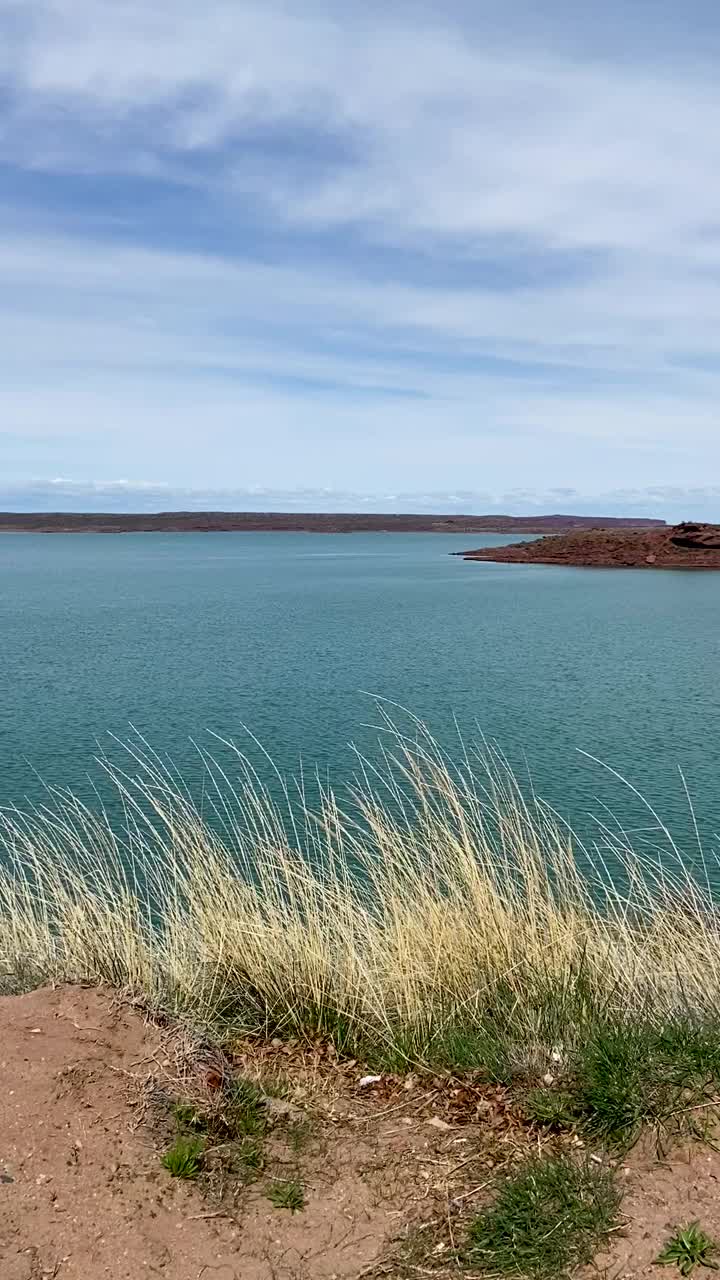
(287, 1194)
(242, 1113)
(629, 1076)
(549, 1217)
(237, 1111)
(251, 1155)
(440, 918)
(625, 1083)
(184, 1159)
(688, 1249)
(190, 1117)
(234, 1119)
(551, 1108)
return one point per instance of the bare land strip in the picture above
(300, 522)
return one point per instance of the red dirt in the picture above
(662, 1196)
(83, 1194)
(686, 546)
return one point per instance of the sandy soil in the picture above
(662, 1195)
(83, 1194)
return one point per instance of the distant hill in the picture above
(294, 522)
(686, 546)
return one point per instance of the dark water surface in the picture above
(287, 633)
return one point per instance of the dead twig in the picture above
(466, 1194)
(476, 1155)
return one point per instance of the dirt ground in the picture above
(662, 1194)
(83, 1194)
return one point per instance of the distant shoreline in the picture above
(304, 522)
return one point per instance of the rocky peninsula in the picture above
(684, 546)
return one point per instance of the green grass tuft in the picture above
(620, 1086)
(243, 1160)
(189, 1117)
(243, 1111)
(184, 1159)
(689, 1248)
(632, 1076)
(549, 1217)
(287, 1194)
(550, 1107)
(251, 1155)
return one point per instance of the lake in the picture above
(178, 634)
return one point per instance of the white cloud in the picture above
(150, 354)
(568, 206)
(453, 135)
(63, 494)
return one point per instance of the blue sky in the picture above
(384, 256)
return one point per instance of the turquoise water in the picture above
(289, 633)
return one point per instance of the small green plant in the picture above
(276, 1086)
(250, 1154)
(243, 1111)
(243, 1160)
(299, 1133)
(553, 1108)
(549, 1217)
(190, 1117)
(689, 1248)
(184, 1159)
(287, 1194)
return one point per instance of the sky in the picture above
(398, 256)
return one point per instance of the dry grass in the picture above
(438, 904)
